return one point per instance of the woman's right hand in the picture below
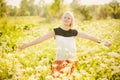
(23, 46)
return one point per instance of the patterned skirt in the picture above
(63, 67)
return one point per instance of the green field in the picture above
(96, 62)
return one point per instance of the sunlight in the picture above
(13, 2)
(89, 2)
(84, 2)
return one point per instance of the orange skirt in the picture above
(63, 67)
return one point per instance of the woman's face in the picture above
(67, 20)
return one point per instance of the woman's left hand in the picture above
(106, 43)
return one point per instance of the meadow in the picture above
(96, 62)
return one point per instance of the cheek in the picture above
(63, 21)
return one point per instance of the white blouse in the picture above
(66, 48)
(65, 42)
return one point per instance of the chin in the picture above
(66, 24)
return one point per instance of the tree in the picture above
(55, 8)
(24, 8)
(12, 11)
(2, 8)
(81, 11)
(102, 12)
(42, 8)
(31, 7)
(114, 7)
(75, 4)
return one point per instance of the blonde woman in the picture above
(66, 48)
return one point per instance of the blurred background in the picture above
(22, 21)
(83, 9)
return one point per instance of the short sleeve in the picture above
(69, 33)
(56, 30)
(75, 32)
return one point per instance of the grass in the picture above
(96, 62)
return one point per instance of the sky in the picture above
(84, 2)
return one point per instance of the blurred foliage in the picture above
(114, 9)
(96, 62)
(3, 8)
(54, 8)
(57, 8)
(24, 9)
(110, 10)
(28, 22)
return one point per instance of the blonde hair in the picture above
(72, 18)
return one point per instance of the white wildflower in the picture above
(49, 78)
(56, 74)
(114, 54)
(32, 77)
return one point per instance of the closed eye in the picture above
(68, 18)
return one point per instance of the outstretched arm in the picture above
(38, 40)
(83, 35)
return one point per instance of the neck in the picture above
(66, 27)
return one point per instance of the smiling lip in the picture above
(66, 21)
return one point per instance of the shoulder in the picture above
(74, 31)
(57, 30)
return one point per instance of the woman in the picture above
(66, 48)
